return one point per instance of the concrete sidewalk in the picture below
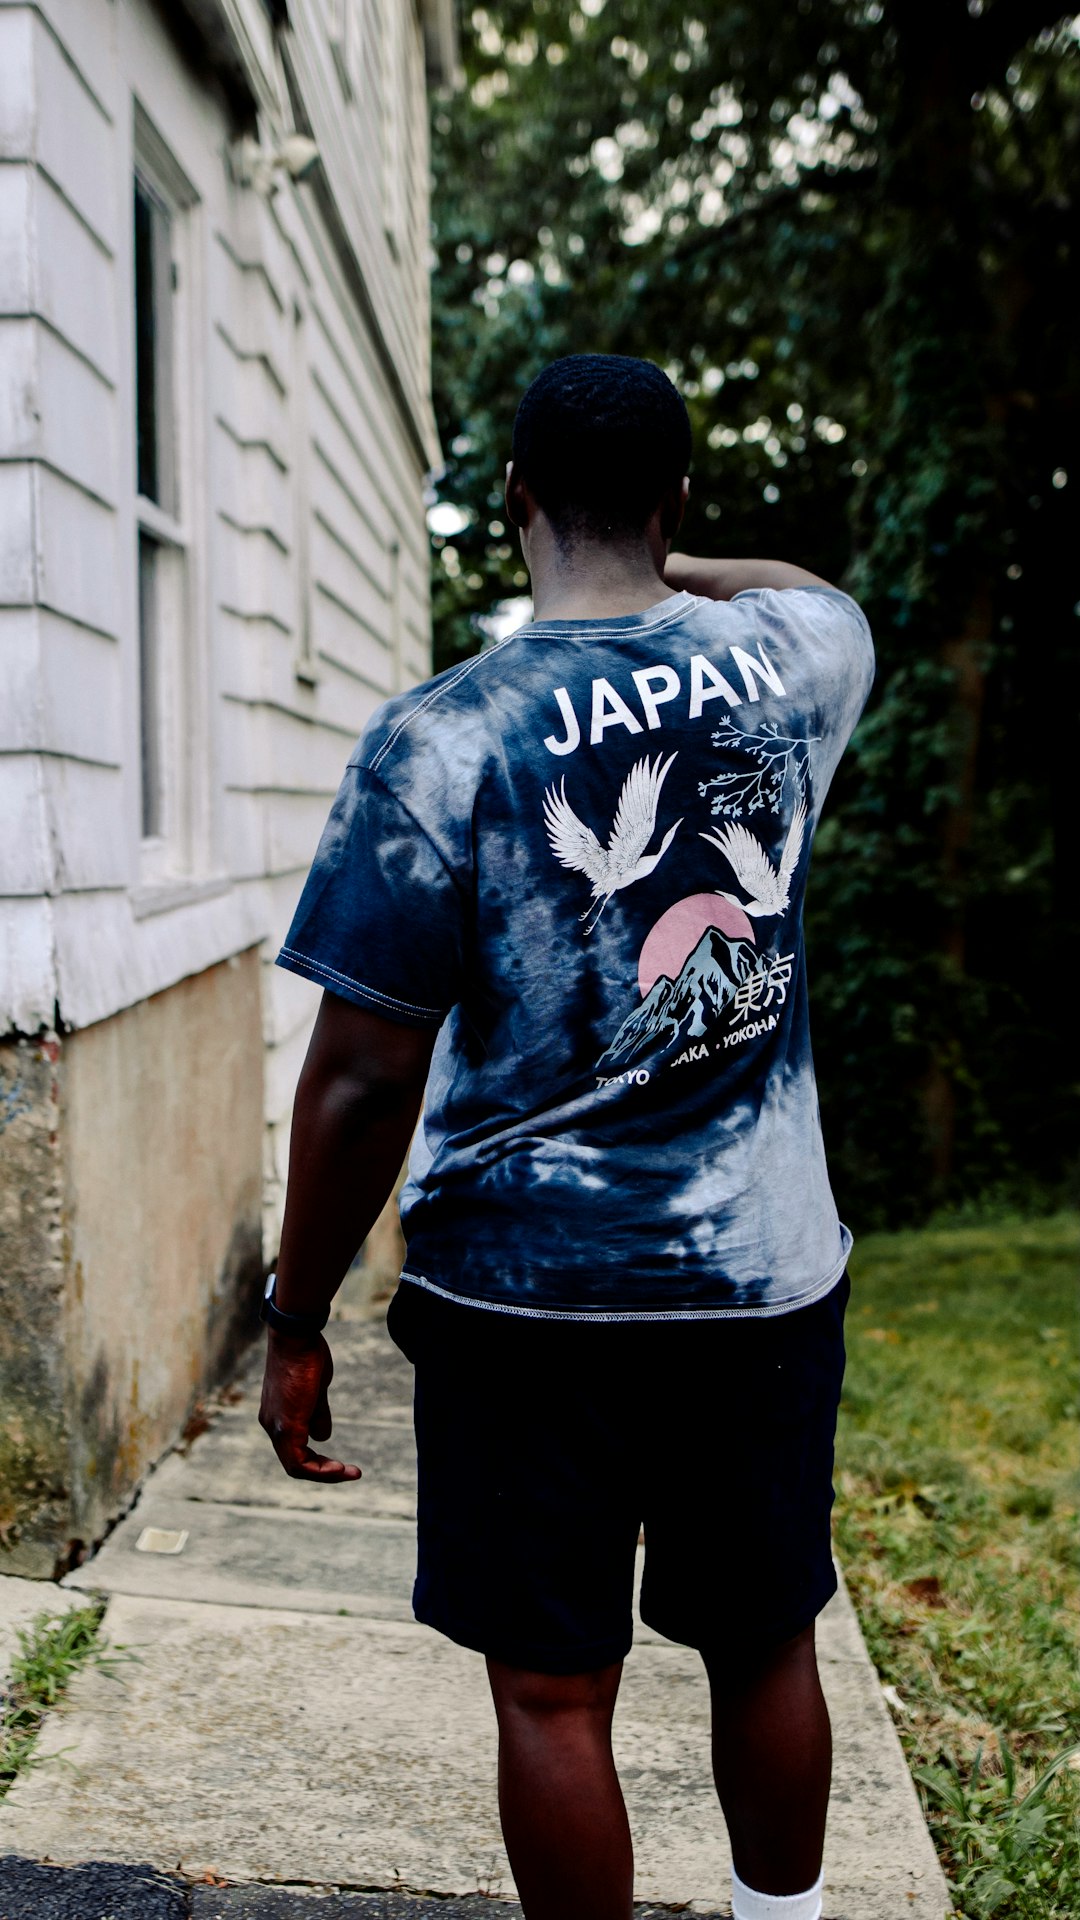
(286, 1721)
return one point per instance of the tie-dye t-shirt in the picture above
(582, 857)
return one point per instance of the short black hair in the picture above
(599, 438)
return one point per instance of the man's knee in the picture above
(545, 1695)
(732, 1668)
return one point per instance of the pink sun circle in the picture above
(678, 931)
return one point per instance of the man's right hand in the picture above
(295, 1407)
(356, 1107)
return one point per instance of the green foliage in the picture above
(956, 1524)
(51, 1651)
(1016, 1856)
(854, 254)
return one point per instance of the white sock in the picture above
(748, 1905)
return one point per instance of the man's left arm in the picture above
(357, 1103)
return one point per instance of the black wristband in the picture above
(302, 1326)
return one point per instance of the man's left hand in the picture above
(295, 1407)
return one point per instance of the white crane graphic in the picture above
(624, 859)
(769, 887)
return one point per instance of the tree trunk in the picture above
(964, 656)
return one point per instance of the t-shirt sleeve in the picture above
(829, 633)
(380, 918)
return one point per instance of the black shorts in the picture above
(544, 1447)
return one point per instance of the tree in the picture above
(849, 241)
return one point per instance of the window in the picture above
(154, 395)
(345, 44)
(169, 640)
(304, 664)
(390, 24)
(397, 632)
(152, 811)
(368, 40)
(156, 484)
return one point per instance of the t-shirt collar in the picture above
(664, 611)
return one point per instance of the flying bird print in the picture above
(768, 886)
(624, 859)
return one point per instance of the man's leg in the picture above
(563, 1817)
(772, 1762)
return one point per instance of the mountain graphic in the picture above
(675, 1012)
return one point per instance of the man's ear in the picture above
(672, 508)
(514, 494)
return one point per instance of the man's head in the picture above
(601, 446)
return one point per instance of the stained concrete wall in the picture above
(33, 1418)
(130, 1248)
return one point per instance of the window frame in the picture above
(345, 45)
(305, 663)
(178, 849)
(395, 157)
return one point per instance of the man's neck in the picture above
(594, 582)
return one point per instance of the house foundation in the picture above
(130, 1248)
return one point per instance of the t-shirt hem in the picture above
(766, 1310)
(402, 1011)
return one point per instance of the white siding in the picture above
(311, 434)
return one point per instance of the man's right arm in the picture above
(722, 579)
(356, 1106)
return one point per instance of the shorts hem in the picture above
(529, 1658)
(735, 1634)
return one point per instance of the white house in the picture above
(215, 426)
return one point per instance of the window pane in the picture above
(153, 349)
(144, 345)
(149, 688)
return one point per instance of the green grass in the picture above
(956, 1523)
(51, 1651)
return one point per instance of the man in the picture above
(574, 867)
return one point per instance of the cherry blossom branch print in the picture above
(747, 790)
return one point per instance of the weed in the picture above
(51, 1651)
(1019, 1854)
